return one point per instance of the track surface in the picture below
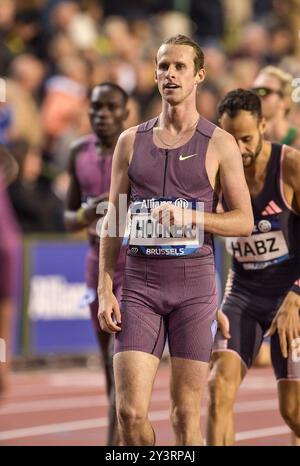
(69, 407)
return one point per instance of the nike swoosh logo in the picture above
(185, 157)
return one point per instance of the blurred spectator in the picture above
(145, 89)
(65, 98)
(244, 70)
(36, 206)
(62, 15)
(261, 8)
(237, 14)
(27, 35)
(123, 43)
(23, 88)
(59, 49)
(208, 98)
(215, 62)
(281, 43)
(101, 70)
(289, 14)
(171, 23)
(274, 87)
(134, 117)
(132, 9)
(209, 20)
(253, 42)
(7, 19)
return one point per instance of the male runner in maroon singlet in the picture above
(9, 245)
(90, 172)
(263, 289)
(169, 283)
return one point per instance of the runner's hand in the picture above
(287, 322)
(168, 215)
(223, 324)
(90, 211)
(109, 314)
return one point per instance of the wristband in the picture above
(80, 216)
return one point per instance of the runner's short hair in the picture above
(240, 99)
(180, 39)
(114, 87)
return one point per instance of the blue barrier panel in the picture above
(56, 322)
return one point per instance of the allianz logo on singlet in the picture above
(152, 203)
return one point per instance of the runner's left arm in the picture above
(293, 178)
(238, 220)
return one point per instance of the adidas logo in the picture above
(271, 209)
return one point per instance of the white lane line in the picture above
(101, 401)
(69, 426)
(53, 429)
(102, 422)
(259, 433)
(255, 406)
(53, 404)
(67, 403)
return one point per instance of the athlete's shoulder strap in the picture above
(147, 125)
(205, 127)
(82, 141)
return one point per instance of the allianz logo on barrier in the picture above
(52, 297)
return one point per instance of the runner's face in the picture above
(107, 111)
(272, 102)
(247, 131)
(175, 73)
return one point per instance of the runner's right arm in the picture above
(76, 216)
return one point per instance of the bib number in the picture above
(258, 251)
(148, 237)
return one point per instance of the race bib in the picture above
(148, 237)
(259, 250)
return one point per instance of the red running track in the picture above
(69, 407)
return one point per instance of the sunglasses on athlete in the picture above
(265, 91)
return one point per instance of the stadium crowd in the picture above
(53, 52)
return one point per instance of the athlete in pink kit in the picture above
(9, 248)
(90, 172)
(167, 166)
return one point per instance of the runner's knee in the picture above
(222, 389)
(183, 415)
(291, 414)
(130, 416)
